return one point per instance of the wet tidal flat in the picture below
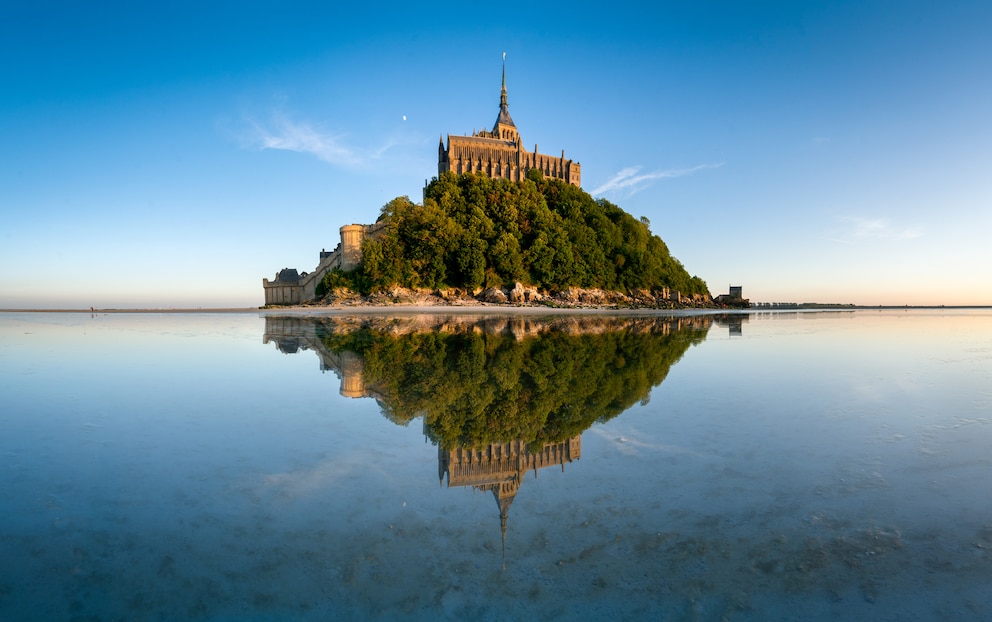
(264, 467)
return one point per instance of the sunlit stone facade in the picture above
(500, 153)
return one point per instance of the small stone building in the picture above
(735, 298)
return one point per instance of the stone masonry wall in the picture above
(345, 256)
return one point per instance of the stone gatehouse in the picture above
(291, 287)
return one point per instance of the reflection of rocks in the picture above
(286, 329)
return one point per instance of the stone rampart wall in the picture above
(345, 256)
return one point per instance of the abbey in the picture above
(500, 153)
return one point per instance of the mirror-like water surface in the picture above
(238, 467)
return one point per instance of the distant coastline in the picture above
(490, 309)
(139, 310)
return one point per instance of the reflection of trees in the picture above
(500, 396)
(481, 382)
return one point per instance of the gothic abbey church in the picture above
(500, 153)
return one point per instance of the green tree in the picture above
(507, 260)
(473, 230)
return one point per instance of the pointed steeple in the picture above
(504, 127)
(502, 92)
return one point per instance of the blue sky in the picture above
(171, 155)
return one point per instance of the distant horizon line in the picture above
(777, 306)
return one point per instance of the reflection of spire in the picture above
(504, 494)
(500, 467)
(504, 511)
(502, 530)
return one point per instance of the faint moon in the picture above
(404, 117)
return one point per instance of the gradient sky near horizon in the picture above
(174, 154)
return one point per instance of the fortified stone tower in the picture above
(351, 246)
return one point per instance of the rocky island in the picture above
(498, 225)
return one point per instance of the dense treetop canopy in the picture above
(474, 231)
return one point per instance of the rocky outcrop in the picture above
(518, 295)
(493, 295)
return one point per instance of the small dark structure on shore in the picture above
(733, 299)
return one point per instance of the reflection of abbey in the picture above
(496, 467)
(498, 153)
(500, 467)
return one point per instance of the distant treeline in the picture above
(474, 231)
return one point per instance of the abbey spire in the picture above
(504, 128)
(502, 92)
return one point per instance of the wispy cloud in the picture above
(288, 134)
(631, 180)
(860, 229)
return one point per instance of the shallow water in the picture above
(238, 467)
